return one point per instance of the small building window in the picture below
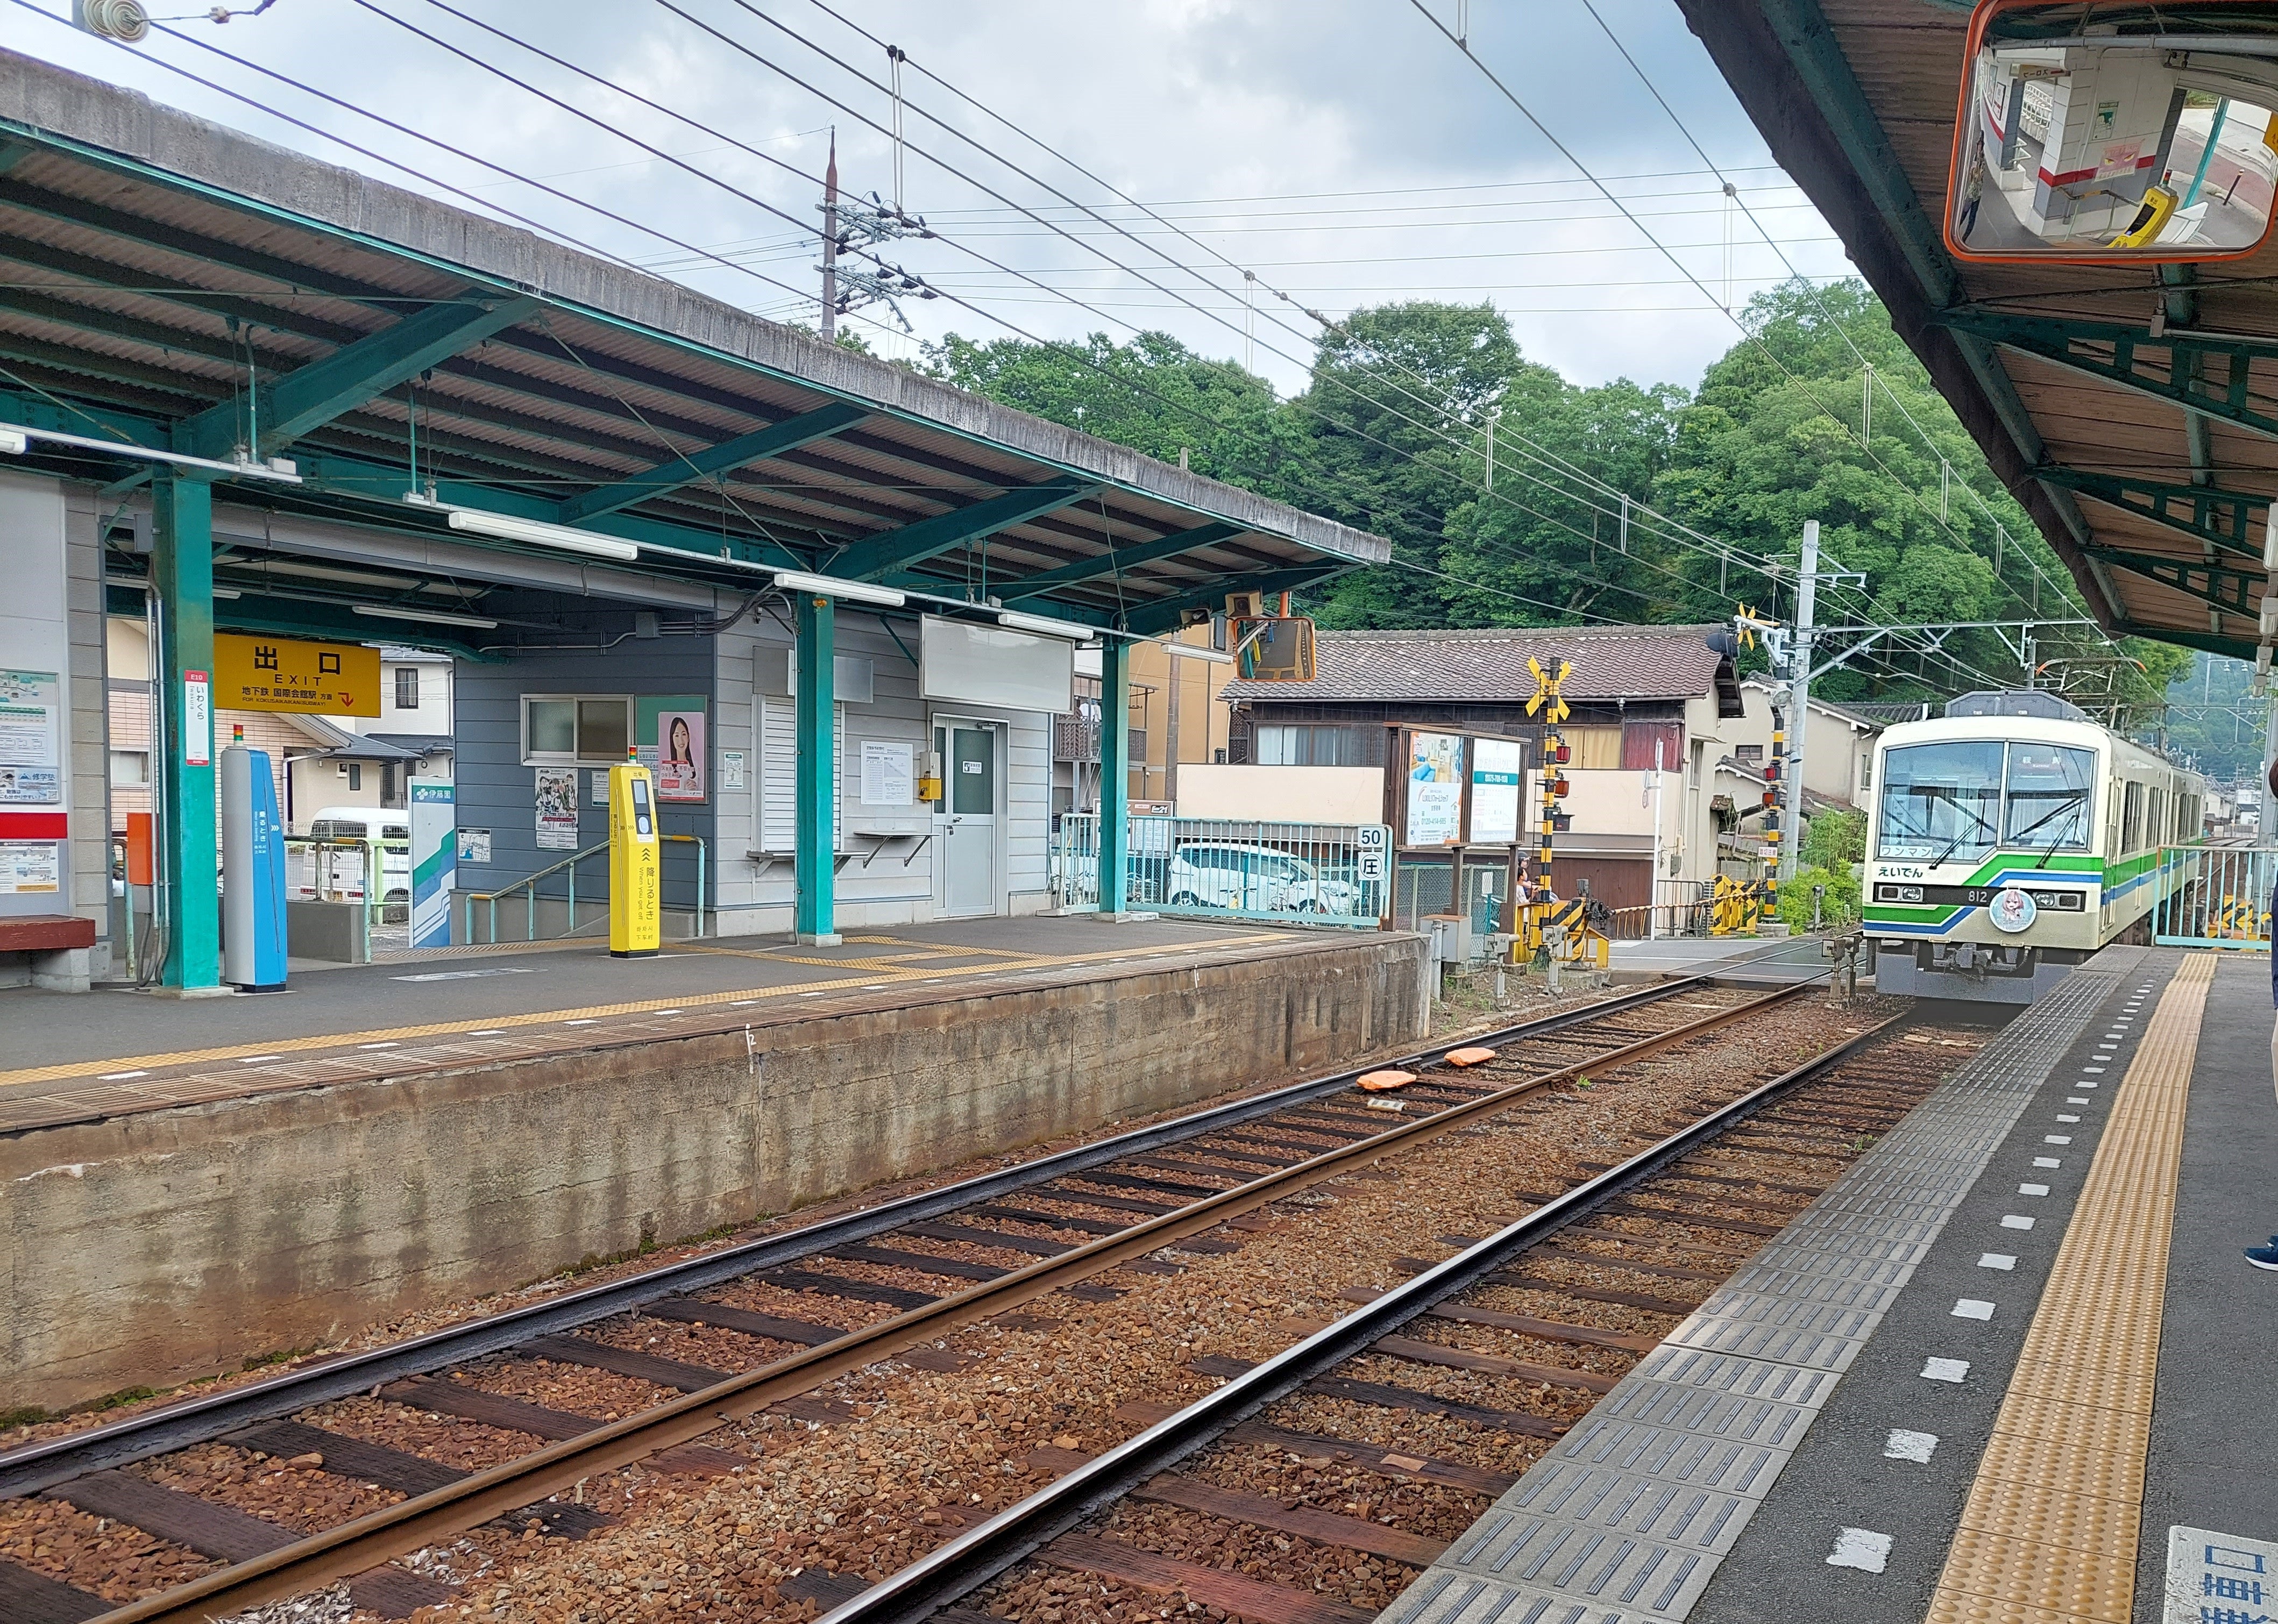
(406, 688)
(355, 775)
(1753, 755)
(575, 730)
(130, 767)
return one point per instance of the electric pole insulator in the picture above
(124, 20)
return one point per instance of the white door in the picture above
(966, 828)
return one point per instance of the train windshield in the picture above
(1941, 802)
(2048, 806)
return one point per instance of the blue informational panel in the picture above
(253, 872)
(434, 860)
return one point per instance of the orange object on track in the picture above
(1377, 1082)
(1469, 1057)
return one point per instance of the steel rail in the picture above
(34, 1467)
(354, 1547)
(955, 1569)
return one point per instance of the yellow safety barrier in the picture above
(1737, 907)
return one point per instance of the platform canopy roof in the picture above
(2148, 457)
(153, 265)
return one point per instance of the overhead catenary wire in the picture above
(1561, 608)
(719, 182)
(1731, 191)
(429, 179)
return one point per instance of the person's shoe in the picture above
(2264, 1257)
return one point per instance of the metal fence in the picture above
(2214, 896)
(1312, 874)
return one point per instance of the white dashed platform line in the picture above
(1905, 1445)
(1861, 1548)
(1945, 1370)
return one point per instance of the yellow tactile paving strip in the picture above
(2049, 1533)
(893, 974)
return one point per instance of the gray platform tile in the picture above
(1728, 1465)
(1711, 1371)
(1693, 1516)
(1786, 1257)
(1807, 1350)
(1443, 1597)
(1910, 1225)
(1794, 1310)
(1801, 1286)
(1597, 1565)
(1674, 1413)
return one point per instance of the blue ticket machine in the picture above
(253, 873)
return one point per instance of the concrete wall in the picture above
(150, 1249)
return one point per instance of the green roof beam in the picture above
(2208, 376)
(1113, 562)
(757, 447)
(878, 556)
(311, 396)
(2218, 517)
(2227, 589)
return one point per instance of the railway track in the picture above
(1125, 1523)
(1014, 1235)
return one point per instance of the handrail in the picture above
(528, 885)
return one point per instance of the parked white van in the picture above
(1256, 879)
(337, 873)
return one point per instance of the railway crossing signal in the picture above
(1547, 698)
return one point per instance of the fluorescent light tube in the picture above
(386, 613)
(15, 438)
(1013, 619)
(1188, 651)
(830, 586)
(507, 527)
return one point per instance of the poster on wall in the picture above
(29, 866)
(1435, 790)
(680, 755)
(31, 711)
(888, 773)
(670, 739)
(1498, 771)
(557, 808)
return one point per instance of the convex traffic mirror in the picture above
(2107, 134)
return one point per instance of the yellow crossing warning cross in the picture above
(1748, 622)
(1546, 685)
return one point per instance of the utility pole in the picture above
(830, 244)
(1798, 697)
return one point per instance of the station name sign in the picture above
(287, 673)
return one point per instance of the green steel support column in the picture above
(181, 573)
(1115, 771)
(815, 868)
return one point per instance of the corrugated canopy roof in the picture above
(148, 259)
(1489, 667)
(2156, 508)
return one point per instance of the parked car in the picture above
(338, 872)
(1256, 879)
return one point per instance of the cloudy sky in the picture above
(1344, 151)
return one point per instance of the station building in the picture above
(252, 394)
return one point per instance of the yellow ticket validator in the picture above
(635, 884)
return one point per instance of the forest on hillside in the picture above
(1514, 497)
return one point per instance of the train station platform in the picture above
(201, 1181)
(2011, 1367)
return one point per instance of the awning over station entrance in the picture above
(2130, 408)
(173, 283)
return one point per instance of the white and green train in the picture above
(2010, 840)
